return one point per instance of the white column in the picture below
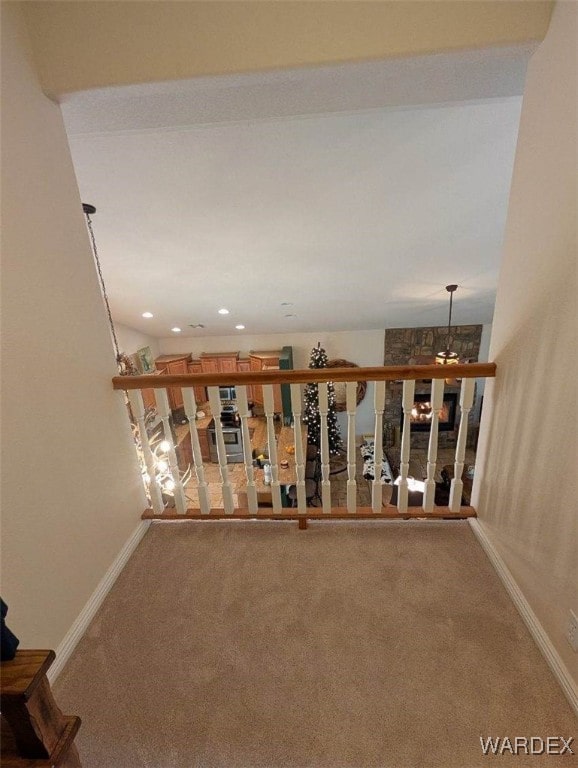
(269, 405)
(299, 457)
(138, 409)
(191, 414)
(227, 490)
(437, 401)
(164, 412)
(378, 406)
(325, 483)
(351, 405)
(466, 400)
(243, 406)
(408, 398)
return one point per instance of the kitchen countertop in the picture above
(182, 430)
(285, 438)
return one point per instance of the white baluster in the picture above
(164, 412)
(299, 457)
(378, 406)
(191, 413)
(325, 482)
(466, 400)
(226, 489)
(138, 409)
(437, 401)
(407, 404)
(269, 405)
(351, 405)
(243, 406)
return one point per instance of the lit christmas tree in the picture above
(311, 415)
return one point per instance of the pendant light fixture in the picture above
(447, 357)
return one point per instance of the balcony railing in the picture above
(289, 496)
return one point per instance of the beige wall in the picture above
(80, 45)
(129, 340)
(362, 347)
(527, 498)
(71, 493)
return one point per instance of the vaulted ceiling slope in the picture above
(93, 44)
(353, 193)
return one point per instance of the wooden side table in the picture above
(34, 731)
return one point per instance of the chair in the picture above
(312, 452)
(312, 470)
(311, 492)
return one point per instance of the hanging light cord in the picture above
(450, 289)
(88, 209)
(448, 344)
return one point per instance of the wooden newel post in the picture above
(33, 727)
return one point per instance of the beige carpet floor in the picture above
(256, 645)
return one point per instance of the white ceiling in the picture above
(326, 188)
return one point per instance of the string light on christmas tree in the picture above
(311, 417)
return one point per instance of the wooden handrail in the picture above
(308, 375)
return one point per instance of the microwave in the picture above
(227, 393)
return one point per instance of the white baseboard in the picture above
(559, 669)
(84, 618)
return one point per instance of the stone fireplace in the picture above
(419, 345)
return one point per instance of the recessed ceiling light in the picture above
(147, 314)
(286, 303)
(176, 330)
(240, 327)
(223, 311)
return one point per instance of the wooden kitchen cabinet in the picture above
(219, 362)
(209, 365)
(173, 364)
(204, 444)
(148, 398)
(184, 448)
(266, 358)
(228, 365)
(148, 395)
(194, 366)
(184, 452)
(244, 365)
(266, 361)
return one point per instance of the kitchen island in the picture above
(287, 476)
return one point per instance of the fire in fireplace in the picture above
(422, 413)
